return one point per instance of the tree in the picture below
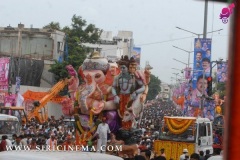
(154, 87)
(78, 33)
(53, 25)
(221, 89)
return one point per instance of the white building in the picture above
(113, 47)
(165, 92)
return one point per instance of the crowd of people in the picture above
(57, 132)
(34, 134)
(151, 119)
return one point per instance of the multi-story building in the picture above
(37, 49)
(165, 92)
(44, 44)
(113, 47)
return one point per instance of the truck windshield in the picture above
(69, 123)
(9, 127)
(187, 136)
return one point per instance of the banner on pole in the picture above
(18, 82)
(136, 54)
(222, 72)
(2, 98)
(201, 65)
(4, 71)
(10, 100)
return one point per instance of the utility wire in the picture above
(146, 44)
(165, 41)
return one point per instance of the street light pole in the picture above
(182, 71)
(176, 74)
(180, 61)
(197, 33)
(186, 52)
(205, 19)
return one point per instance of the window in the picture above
(202, 130)
(209, 129)
(58, 47)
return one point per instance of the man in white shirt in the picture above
(51, 142)
(9, 143)
(23, 140)
(101, 133)
(183, 156)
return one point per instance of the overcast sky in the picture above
(153, 23)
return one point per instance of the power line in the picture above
(165, 41)
(146, 44)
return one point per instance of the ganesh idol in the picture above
(95, 95)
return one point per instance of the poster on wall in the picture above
(4, 71)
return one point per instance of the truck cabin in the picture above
(185, 129)
(70, 122)
(9, 125)
(178, 133)
(19, 112)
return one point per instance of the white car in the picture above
(63, 155)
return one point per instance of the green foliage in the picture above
(78, 33)
(59, 70)
(154, 87)
(53, 25)
(221, 89)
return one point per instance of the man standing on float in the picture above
(125, 86)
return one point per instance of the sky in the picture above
(153, 23)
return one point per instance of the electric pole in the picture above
(205, 19)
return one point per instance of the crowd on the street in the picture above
(61, 133)
(153, 114)
(34, 134)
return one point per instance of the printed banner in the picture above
(136, 54)
(2, 98)
(188, 71)
(222, 72)
(202, 65)
(18, 82)
(10, 100)
(19, 100)
(28, 105)
(4, 71)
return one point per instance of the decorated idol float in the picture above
(116, 91)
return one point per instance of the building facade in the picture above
(33, 43)
(165, 92)
(113, 47)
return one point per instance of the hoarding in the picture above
(4, 71)
(222, 72)
(136, 54)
